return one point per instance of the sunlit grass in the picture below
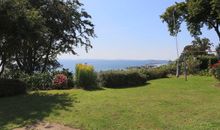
(162, 104)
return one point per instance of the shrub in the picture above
(38, 81)
(193, 65)
(156, 73)
(60, 81)
(207, 61)
(120, 79)
(85, 76)
(68, 74)
(9, 87)
(216, 70)
(206, 72)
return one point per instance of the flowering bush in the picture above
(60, 81)
(85, 76)
(216, 70)
(68, 74)
(216, 65)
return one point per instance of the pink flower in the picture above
(60, 80)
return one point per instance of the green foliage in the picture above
(218, 51)
(196, 14)
(197, 58)
(207, 61)
(34, 32)
(206, 72)
(216, 72)
(120, 79)
(9, 87)
(38, 81)
(198, 47)
(85, 76)
(13, 74)
(157, 73)
(192, 65)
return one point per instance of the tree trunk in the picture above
(2, 64)
(47, 58)
(217, 30)
(218, 33)
(2, 68)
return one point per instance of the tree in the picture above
(196, 14)
(198, 47)
(19, 24)
(41, 30)
(197, 56)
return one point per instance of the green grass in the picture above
(162, 104)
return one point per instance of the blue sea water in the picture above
(103, 65)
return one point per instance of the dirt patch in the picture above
(46, 126)
(217, 85)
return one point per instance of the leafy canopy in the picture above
(34, 32)
(196, 14)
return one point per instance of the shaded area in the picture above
(132, 86)
(27, 109)
(96, 89)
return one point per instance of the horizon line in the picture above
(113, 59)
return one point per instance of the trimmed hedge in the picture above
(120, 79)
(156, 73)
(10, 87)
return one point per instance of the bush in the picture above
(193, 65)
(69, 75)
(156, 73)
(38, 81)
(120, 79)
(206, 72)
(9, 87)
(207, 61)
(60, 81)
(216, 70)
(85, 76)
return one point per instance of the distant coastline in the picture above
(103, 65)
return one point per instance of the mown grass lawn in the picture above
(162, 104)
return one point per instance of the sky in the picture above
(132, 29)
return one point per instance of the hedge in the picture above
(10, 87)
(120, 79)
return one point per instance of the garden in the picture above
(36, 90)
(168, 103)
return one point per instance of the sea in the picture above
(104, 65)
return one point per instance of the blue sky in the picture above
(132, 29)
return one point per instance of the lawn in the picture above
(161, 104)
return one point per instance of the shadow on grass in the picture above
(95, 89)
(30, 108)
(132, 86)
